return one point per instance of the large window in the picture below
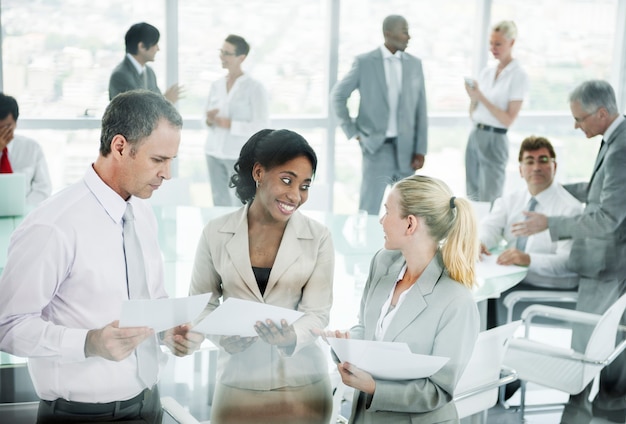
(58, 55)
(441, 35)
(560, 44)
(288, 50)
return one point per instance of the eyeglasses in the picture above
(541, 160)
(225, 53)
(581, 120)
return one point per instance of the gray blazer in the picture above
(368, 76)
(599, 233)
(125, 78)
(438, 317)
(301, 279)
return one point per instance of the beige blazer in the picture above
(301, 279)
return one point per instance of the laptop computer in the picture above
(12, 194)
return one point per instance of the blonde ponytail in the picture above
(460, 249)
(451, 222)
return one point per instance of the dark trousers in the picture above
(144, 408)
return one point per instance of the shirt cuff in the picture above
(73, 345)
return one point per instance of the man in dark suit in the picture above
(142, 44)
(391, 126)
(599, 241)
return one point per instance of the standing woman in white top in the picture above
(496, 99)
(237, 108)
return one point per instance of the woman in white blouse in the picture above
(237, 108)
(496, 99)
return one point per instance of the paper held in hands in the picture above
(386, 360)
(162, 314)
(237, 317)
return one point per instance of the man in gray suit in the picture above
(599, 241)
(391, 126)
(142, 44)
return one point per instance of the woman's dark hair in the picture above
(269, 148)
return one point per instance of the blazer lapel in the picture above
(238, 249)
(379, 74)
(379, 294)
(415, 303)
(133, 71)
(290, 249)
(603, 150)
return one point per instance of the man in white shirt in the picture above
(545, 259)
(69, 270)
(22, 155)
(142, 45)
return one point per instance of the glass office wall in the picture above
(560, 43)
(57, 57)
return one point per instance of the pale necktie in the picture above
(520, 244)
(147, 364)
(394, 85)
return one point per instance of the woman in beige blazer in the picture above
(269, 252)
(418, 292)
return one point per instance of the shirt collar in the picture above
(548, 193)
(387, 54)
(112, 202)
(136, 64)
(607, 134)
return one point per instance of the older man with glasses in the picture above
(599, 241)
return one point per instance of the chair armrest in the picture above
(562, 353)
(559, 314)
(507, 375)
(539, 296)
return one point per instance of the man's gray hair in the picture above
(595, 94)
(135, 114)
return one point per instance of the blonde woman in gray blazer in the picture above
(269, 252)
(418, 292)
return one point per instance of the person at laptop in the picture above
(21, 154)
(73, 262)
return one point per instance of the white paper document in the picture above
(237, 317)
(162, 314)
(488, 268)
(386, 360)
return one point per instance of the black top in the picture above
(262, 276)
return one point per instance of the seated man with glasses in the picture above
(544, 258)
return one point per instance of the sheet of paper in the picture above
(488, 268)
(162, 314)
(386, 360)
(236, 317)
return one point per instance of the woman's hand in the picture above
(325, 334)
(357, 378)
(236, 344)
(473, 92)
(283, 336)
(182, 341)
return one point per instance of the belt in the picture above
(490, 128)
(389, 140)
(67, 406)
